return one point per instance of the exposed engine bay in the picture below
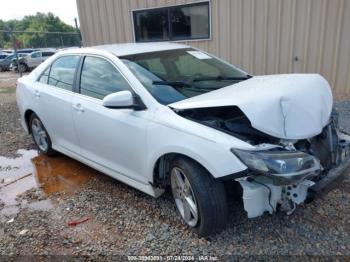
(290, 172)
(231, 120)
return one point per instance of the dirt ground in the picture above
(57, 206)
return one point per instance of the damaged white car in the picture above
(164, 115)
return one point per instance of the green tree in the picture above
(42, 23)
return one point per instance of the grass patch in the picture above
(7, 90)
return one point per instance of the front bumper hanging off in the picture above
(261, 195)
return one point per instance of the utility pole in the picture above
(77, 29)
(62, 43)
(15, 49)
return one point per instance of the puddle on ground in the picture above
(25, 181)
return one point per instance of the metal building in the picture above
(260, 36)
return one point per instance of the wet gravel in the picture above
(124, 221)
(12, 136)
(32, 195)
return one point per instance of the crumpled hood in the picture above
(293, 106)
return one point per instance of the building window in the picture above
(183, 22)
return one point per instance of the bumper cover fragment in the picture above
(331, 180)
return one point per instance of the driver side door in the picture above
(112, 138)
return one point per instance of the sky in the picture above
(66, 10)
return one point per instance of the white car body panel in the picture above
(55, 107)
(114, 138)
(170, 133)
(294, 106)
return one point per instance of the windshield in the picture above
(174, 75)
(14, 56)
(10, 57)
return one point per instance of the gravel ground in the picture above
(12, 136)
(343, 109)
(124, 221)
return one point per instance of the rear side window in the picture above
(44, 76)
(100, 78)
(62, 72)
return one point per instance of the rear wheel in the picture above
(22, 68)
(199, 198)
(40, 135)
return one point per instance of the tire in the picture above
(22, 68)
(207, 193)
(40, 136)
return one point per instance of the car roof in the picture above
(131, 48)
(139, 48)
(27, 50)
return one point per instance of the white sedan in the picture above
(154, 115)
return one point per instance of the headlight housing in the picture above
(285, 166)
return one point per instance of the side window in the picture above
(100, 78)
(44, 76)
(48, 54)
(36, 55)
(62, 72)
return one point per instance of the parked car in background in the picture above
(6, 63)
(163, 116)
(3, 55)
(7, 51)
(31, 60)
(9, 57)
(27, 50)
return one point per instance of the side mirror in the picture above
(123, 99)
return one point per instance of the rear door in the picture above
(54, 93)
(34, 59)
(113, 138)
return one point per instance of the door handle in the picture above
(78, 107)
(36, 93)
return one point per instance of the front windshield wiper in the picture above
(172, 83)
(182, 84)
(221, 78)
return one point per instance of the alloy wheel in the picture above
(184, 197)
(39, 134)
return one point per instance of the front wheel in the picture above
(199, 198)
(40, 135)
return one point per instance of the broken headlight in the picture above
(285, 166)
